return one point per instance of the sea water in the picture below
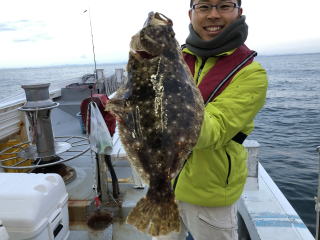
(11, 79)
(288, 127)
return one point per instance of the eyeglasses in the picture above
(224, 7)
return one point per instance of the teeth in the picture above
(213, 29)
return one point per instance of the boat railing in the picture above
(113, 82)
(263, 207)
(252, 147)
(13, 121)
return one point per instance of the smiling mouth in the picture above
(213, 28)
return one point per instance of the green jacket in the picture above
(216, 171)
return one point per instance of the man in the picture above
(213, 177)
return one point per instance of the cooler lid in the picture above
(26, 199)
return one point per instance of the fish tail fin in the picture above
(155, 218)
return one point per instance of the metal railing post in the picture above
(317, 199)
(252, 148)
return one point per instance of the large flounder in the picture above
(160, 111)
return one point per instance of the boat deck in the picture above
(265, 213)
(81, 188)
(268, 214)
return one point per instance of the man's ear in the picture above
(240, 10)
(190, 13)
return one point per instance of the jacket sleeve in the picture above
(235, 108)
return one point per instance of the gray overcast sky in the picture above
(43, 32)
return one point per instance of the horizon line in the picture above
(125, 61)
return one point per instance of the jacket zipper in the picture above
(176, 179)
(204, 59)
(229, 167)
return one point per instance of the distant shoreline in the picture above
(64, 65)
(124, 62)
(286, 54)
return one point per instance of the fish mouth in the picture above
(157, 19)
(145, 54)
(141, 56)
(137, 50)
(142, 50)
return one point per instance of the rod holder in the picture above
(38, 108)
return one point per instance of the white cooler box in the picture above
(34, 206)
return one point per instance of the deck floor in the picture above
(266, 212)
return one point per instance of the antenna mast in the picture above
(92, 42)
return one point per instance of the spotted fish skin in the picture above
(160, 111)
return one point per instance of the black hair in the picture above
(239, 3)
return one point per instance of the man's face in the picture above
(209, 24)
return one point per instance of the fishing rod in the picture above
(92, 42)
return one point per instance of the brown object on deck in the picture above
(99, 220)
